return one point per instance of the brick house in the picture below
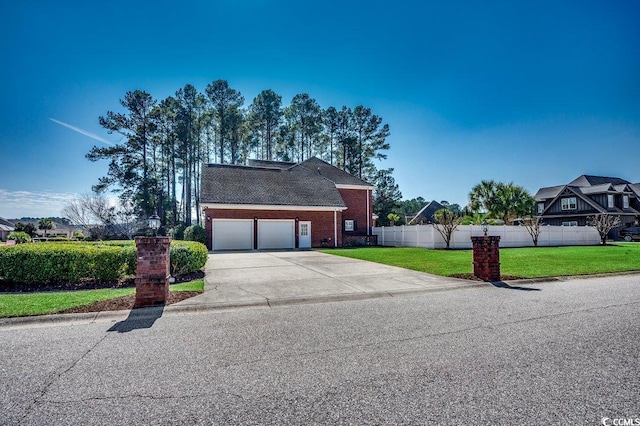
(282, 205)
(585, 196)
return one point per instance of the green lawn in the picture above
(19, 305)
(518, 262)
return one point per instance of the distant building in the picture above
(573, 203)
(6, 228)
(425, 215)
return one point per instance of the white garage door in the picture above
(276, 234)
(230, 234)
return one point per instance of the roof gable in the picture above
(427, 211)
(570, 191)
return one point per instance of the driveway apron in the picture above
(267, 278)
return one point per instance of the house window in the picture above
(348, 225)
(304, 229)
(610, 201)
(540, 208)
(625, 202)
(569, 203)
(571, 223)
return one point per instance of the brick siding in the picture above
(322, 232)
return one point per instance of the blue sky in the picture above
(536, 93)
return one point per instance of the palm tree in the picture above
(501, 201)
(482, 195)
(44, 224)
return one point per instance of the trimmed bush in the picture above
(72, 262)
(196, 233)
(59, 262)
(19, 237)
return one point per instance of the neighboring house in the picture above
(425, 215)
(572, 204)
(6, 228)
(58, 230)
(280, 205)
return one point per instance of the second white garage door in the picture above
(276, 234)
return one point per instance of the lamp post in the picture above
(154, 223)
(485, 227)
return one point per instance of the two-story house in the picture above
(573, 203)
(268, 205)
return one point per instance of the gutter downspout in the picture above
(335, 228)
(368, 215)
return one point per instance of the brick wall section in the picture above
(322, 232)
(486, 257)
(152, 272)
(356, 202)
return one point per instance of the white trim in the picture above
(335, 228)
(270, 207)
(342, 186)
(368, 215)
(348, 225)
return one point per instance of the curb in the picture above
(143, 313)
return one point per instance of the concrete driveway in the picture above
(276, 278)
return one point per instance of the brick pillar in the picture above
(152, 272)
(486, 257)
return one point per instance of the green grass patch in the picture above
(27, 304)
(195, 285)
(527, 262)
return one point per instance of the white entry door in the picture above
(304, 234)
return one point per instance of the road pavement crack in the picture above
(492, 326)
(56, 376)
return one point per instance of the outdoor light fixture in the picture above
(154, 223)
(485, 227)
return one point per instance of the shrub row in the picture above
(68, 262)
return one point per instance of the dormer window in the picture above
(569, 203)
(610, 203)
(625, 201)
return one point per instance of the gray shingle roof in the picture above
(295, 186)
(589, 180)
(270, 164)
(334, 174)
(548, 192)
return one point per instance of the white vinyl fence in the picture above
(510, 236)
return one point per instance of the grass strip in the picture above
(528, 262)
(26, 304)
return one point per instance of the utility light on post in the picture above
(154, 223)
(485, 227)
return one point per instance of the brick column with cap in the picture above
(486, 257)
(152, 272)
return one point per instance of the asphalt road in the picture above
(548, 353)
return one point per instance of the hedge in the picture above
(72, 262)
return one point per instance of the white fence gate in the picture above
(510, 236)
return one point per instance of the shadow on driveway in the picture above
(138, 319)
